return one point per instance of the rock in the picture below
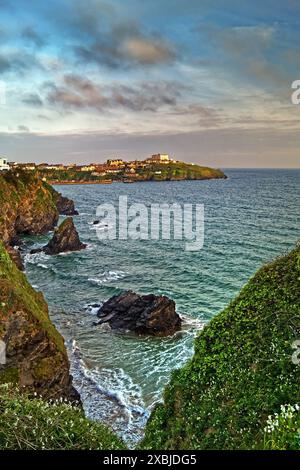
(143, 314)
(15, 255)
(29, 206)
(65, 238)
(65, 206)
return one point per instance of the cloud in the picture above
(33, 99)
(114, 52)
(30, 34)
(147, 51)
(23, 129)
(103, 37)
(17, 62)
(78, 92)
(249, 52)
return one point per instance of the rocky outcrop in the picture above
(33, 353)
(65, 206)
(143, 314)
(65, 239)
(28, 206)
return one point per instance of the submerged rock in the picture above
(65, 239)
(143, 314)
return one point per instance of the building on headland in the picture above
(160, 158)
(117, 162)
(4, 164)
(90, 167)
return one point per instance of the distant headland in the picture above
(158, 167)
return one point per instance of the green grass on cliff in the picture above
(241, 372)
(28, 424)
(16, 291)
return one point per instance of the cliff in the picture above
(28, 206)
(241, 372)
(36, 358)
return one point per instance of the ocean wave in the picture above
(107, 276)
(110, 396)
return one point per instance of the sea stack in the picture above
(144, 314)
(65, 238)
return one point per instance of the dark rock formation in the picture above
(65, 239)
(143, 314)
(65, 206)
(35, 357)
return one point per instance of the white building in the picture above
(3, 164)
(161, 158)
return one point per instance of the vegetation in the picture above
(17, 293)
(151, 172)
(283, 429)
(36, 424)
(241, 371)
(178, 171)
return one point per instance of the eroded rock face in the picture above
(33, 354)
(28, 206)
(65, 239)
(143, 314)
(65, 206)
(15, 255)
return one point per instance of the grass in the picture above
(28, 424)
(241, 371)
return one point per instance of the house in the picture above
(3, 164)
(88, 168)
(26, 166)
(160, 158)
(116, 162)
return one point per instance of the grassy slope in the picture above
(35, 424)
(180, 170)
(241, 371)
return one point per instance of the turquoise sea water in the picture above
(250, 218)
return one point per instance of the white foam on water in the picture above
(109, 396)
(107, 276)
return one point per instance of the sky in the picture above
(207, 81)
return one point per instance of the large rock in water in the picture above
(143, 314)
(65, 238)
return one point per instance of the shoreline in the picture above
(63, 183)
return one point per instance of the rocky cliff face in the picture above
(35, 355)
(33, 352)
(28, 206)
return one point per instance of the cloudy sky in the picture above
(207, 81)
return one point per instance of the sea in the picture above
(250, 218)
